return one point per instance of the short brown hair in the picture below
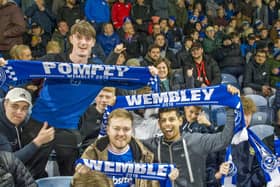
(109, 89)
(83, 28)
(120, 113)
(163, 110)
(166, 62)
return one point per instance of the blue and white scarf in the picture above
(231, 179)
(133, 77)
(214, 95)
(145, 171)
(269, 163)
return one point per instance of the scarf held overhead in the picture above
(134, 77)
(214, 95)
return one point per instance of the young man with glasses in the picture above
(257, 76)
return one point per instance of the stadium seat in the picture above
(271, 101)
(229, 79)
(259, 118)
(58, 181)
(259, 100)
(218, 115)
(262, 130)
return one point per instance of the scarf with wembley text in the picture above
(147, 171)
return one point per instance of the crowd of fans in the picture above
(192, 43)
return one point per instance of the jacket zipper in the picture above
(18, 138)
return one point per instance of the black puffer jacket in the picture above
(256, 75)
(13, 173)
(229, 56)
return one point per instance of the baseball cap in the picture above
(19, 94)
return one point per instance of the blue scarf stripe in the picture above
(92, 73)
(153, 171)
(267, 160)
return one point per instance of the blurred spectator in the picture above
(61, 35)
(260, 12)
(26, 4)
(12, 26)
(168, 80)
(13, 172)
(221, 18)
(256, 76)
(70, 12)
(246, 9)
(90, 121)
(196, 120)
(160, 8)
(132, 41)
(53, 47)
(140, 14)
(176, 32)
(275, 30)
(229, 58)
(206, 71)
(108, 39)
(151, 38)
(272, 12)
(21, 52)
(169, 35)
(37, 39)
(97, 12)
(120, 12)
(211, 42)
(172, 7)
(184, 54)
(181, 14)
(118, 56)
(248, 48)
(274, 63)
(42, 15)
(152, 55)
(165, 52)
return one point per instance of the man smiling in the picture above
(189, 150)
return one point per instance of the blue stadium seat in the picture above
(58, 181)
(262, 130)
(229, 79)
(218, 115)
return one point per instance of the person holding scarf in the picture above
(206, 71)
(188, 151)
(62, 102)
(118, 146)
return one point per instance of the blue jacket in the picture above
(97, 11)
(108, 43)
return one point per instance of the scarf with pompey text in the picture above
(110, 75)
